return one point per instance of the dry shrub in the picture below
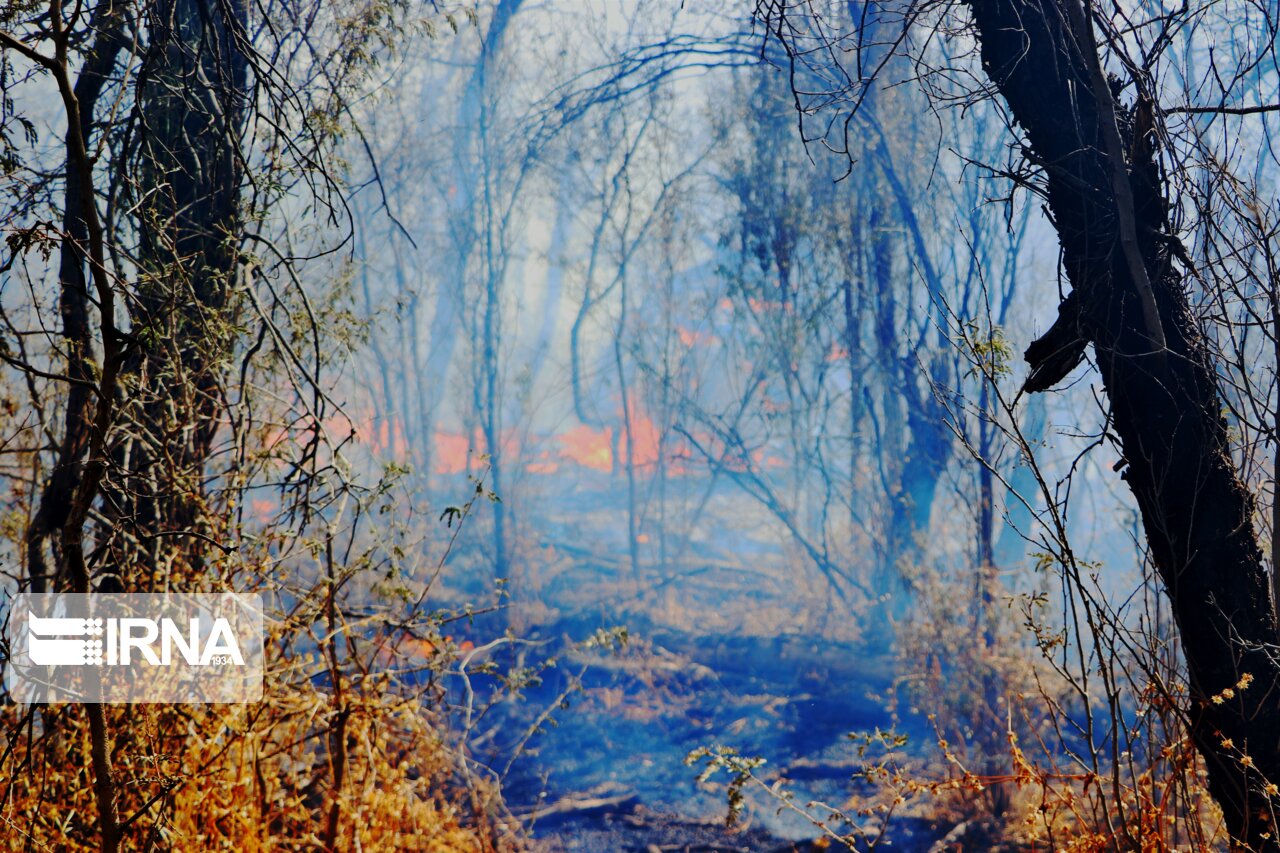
(1049, 739)
(1041, 740)
(353, 746)
(254, 777)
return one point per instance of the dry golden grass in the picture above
(251, 778)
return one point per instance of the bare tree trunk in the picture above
(76, 479)
(192, 94)
(465, 216)
(73, 304)
(1197, 515)
(987, 576)
(628, 434)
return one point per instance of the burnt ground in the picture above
(609, 774)
(733, 644)
(644, 831)
(636, 828)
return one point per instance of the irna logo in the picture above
(62, 641)
(134, 647)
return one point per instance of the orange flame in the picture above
(453, 451)
(646, 441)
(383, 435)
(544, 464)
(691, 338)
(589, 447)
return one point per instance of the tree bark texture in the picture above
(1106, 196)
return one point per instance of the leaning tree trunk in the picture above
(60, 487)
(1106, 194)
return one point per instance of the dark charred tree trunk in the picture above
(59, 490)
(1106, 195)
(192, 99)
(75, 481)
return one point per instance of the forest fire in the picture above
(383, 435)
(587, 446)
(600, 449)
(593, 390)
(455, 452)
